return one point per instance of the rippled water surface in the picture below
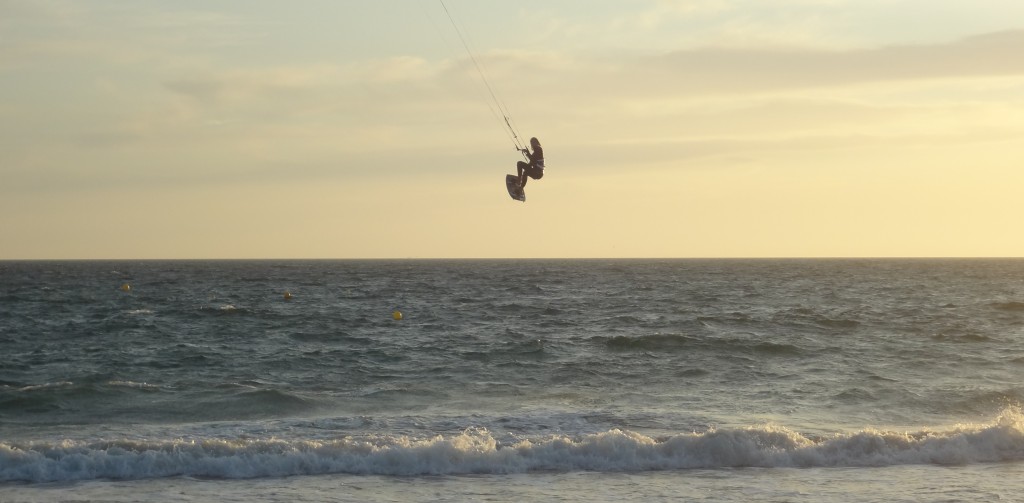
(659, 374)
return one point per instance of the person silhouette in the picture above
(533, 169)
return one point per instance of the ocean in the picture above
(512, 380)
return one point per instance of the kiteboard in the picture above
(514, 190)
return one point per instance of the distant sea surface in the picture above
(528, 380)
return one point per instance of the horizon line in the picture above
(398, 259)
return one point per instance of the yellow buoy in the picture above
(397, 315)
(287, 295)
(126, 287)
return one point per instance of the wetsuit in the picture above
(534, 169)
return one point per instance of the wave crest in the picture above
(677, 342)
(476, 451)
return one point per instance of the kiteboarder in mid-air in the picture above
(533, 169)
(527, 170)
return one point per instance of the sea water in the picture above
(525, 380)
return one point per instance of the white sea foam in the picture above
(476, 451)
(49, 385)
(132, 384)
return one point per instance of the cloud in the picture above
(585, 82)
(709, 103)
(36, 11)
(665, 11)
(328, 119)
(718, 70)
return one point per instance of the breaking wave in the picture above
(475, 451)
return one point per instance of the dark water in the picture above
(204, 369)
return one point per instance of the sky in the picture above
(211, 129)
